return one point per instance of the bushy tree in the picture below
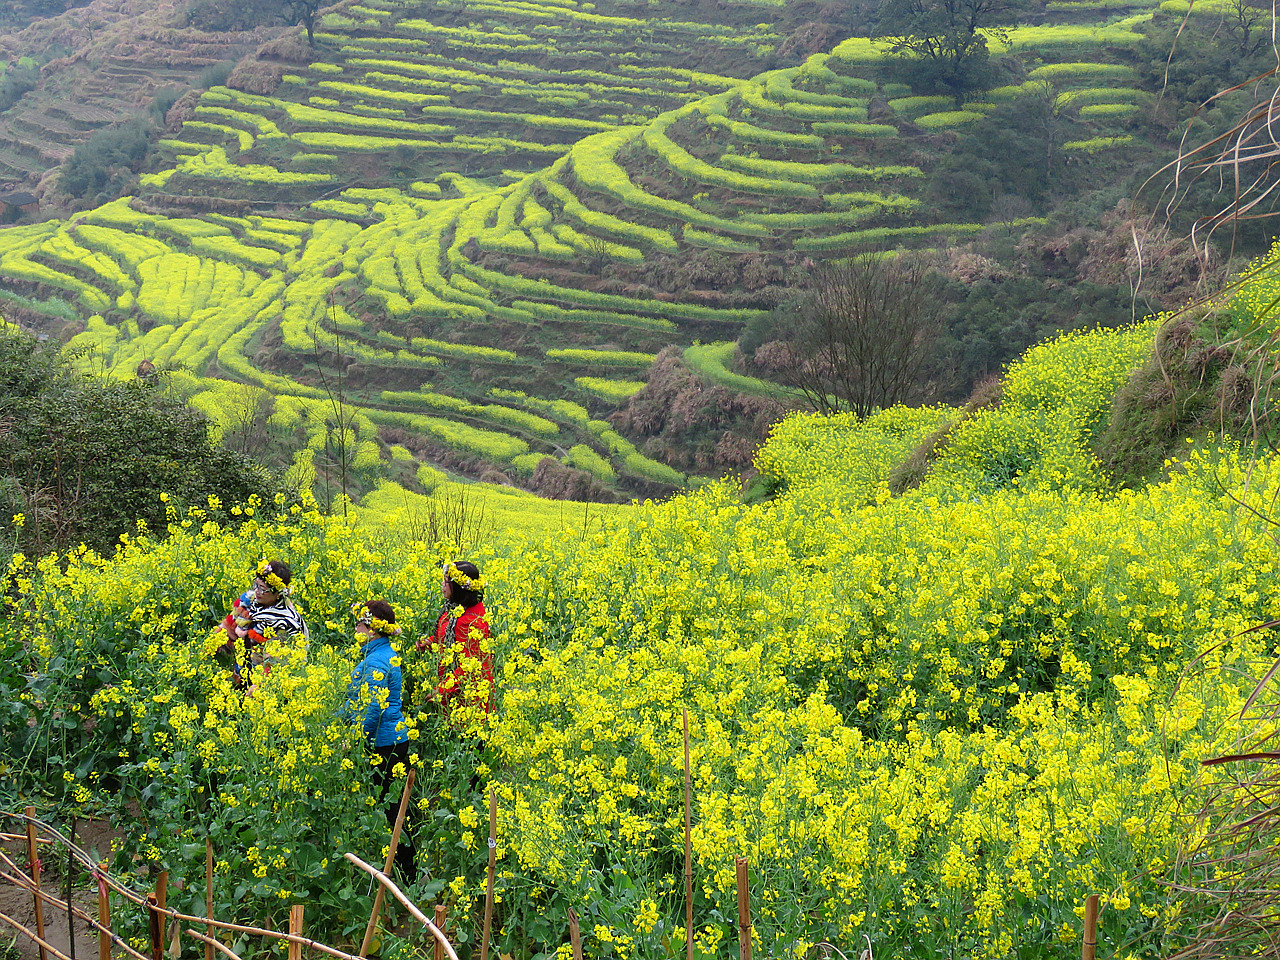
(946, 40)
(863, 335)
(83, 459)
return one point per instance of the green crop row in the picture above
(613, 390)
(750, 133)
(916, 106)
(686, 165)
(549, 311)
(243, 138)
(947, 118)
(259, 124)
(811, 173)
(608, 358)
(584, 458)
(518, 419)
(778, 86)
(868, 131)
(888, 235)
(1093, 95)
(64, 251)
(607, 223)
(580, 244)
(18, 266)
(1096, 110)
(826, 220)
(540, 290)
(594, 164)
(487, 443)
(1097, 144)
(753, 97)
(230, 248)
(126, 248)
(213, 163)
(565, 410)
(1059, 72)
(714, 241)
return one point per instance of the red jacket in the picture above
(470, 629)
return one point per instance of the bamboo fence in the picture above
(165, 925)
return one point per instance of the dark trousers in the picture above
(406, 856)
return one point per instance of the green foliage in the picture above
(104, 165)
(86, 459)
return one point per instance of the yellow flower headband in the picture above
(272, 579)
(362, 615)
(461, 579)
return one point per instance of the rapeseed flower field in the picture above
(932, 720)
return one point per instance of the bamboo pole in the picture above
(71, 868)
(34, 861)
(688, 847)
(1089, 948)
(488, 887)
(408, 904)
(104, 915)
(295, 929)
(391, 859)
(211, 944)
(30, 935)
(575, 935)
(207, 939)
(441, 911)
(744, 911)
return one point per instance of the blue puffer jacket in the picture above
(383, 726)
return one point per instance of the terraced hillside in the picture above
(486, 219)
(109, 58)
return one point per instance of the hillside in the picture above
(474, 226)
(932, 717)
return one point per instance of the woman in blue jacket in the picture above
(374, 701)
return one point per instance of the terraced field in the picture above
(490, 217)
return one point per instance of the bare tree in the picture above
(247, 433)
(865, 333)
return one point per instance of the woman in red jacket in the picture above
(461, 637)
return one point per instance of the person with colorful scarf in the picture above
(264, 612)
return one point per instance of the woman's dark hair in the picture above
(381, 610)
(464, 595)
(281, 570)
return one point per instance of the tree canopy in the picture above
(948, 38)
(84, 458)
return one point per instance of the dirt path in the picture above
(15, 902)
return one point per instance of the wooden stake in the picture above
(1090, 947)
(575, 935)
(104, 916)
(441, 911)
(162, 903)
(744, 911)
(390, 862)
(34, 860)
(688, 847)
(295, 930)
(488, 887)
(208, 897)
(155, 928)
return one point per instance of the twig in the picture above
(408, 904)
